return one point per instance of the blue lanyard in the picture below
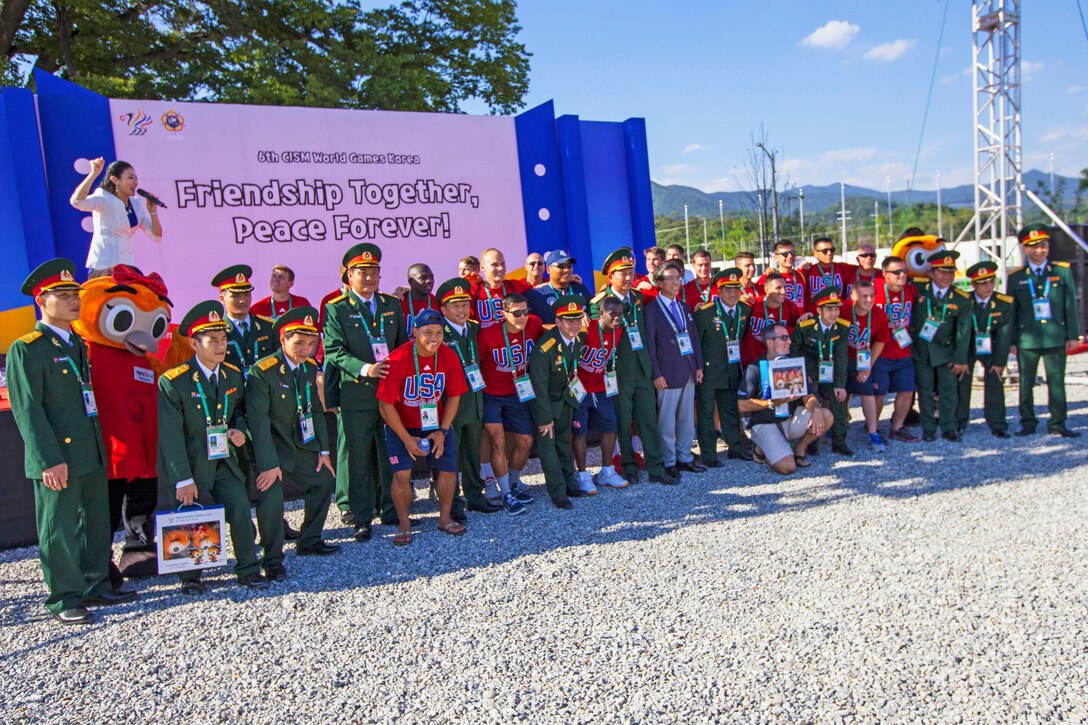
(1046, 287)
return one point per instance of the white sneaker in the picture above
(491, 490)
(585, 483)
(611, 479)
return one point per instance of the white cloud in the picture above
(1074, 89)
(855, 154)
(1029, 70)
(965, 73)
(674, 169)
(835, 34)
(693, 147)
(1066, 133)
(887, 52)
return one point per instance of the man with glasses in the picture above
(866, 267)
(677, 362)
(534, 269)
(785, 257)
(655, 257)
(781, 429)
(699, 289)
(505, 350)
(893, 371)
(991, 328)
(1045, 326)
(822, 342)
(488, 293)
(675, 251)
(362, 327)
(826, 273)
(941, 329)
(560, 282)
(635, 402)
(772, 307)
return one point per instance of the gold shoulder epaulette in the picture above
(336, 299)
(742, 303)
(30, 337)
(548, 344)
(807, 323)
(262, 318)
(600, 296)
(473, 322)
(1061, 264)
(311, 361)
(706, 305)
(176, 372)
(844, 322)
(961, 293)
(229, 366)
(390, 298)
(269, 362)
(1004, 298)
(1014, 271)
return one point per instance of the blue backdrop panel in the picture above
(542, 180)
(608, 199)
(640, 192)
(574, 187)
(75, 123)
(21, 183)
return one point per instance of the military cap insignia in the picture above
(458, 290)
(66, 276)
(213, 316)
(309, 321)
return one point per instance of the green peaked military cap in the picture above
(235, 278)
(982, 271)
(569, 306)
(943, 259)
(1033, 234)
(828, 296)
(622, 258)
(205, 316)
(454, 289)
(362, 255)
(728, 277)
(56, 274)
(298, 319)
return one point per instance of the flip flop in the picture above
(452, 528)
(402, 538)
(757, 455)
(802, 461)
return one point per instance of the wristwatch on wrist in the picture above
(445, 432)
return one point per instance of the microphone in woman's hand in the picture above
(150, 197)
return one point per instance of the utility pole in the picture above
(762, 238)
(1051, 174)
(687, 232)
(876, 223)
(704, 234)
(940, 229)
(842, 214)
(891, 226)
(802, 197)
(721, 218)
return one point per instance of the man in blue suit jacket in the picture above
(677, 361)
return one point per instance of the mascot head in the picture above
(914, 248)
(175, 544)
(206, 537)
(127, 310)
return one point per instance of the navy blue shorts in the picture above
(893, 376)
(399, 459)
(513, 414)
(853, 386)
(597, 412)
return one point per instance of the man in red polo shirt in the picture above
(698, 290)
(773, 306)
(655, 257)
(866, 267)
(418, 400)
(487, 294)
(868, 336)
(750, 292)
(894, 371)
(281, 300)
(785, 257)
(826, 273)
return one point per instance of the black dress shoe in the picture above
(347, 518)
(929, 437)
(842, 449)
(740, 454)
(485, 508)
(459, 517)
(275, 572)
(691, 467)
(1063, 432)
(1000, 434)
(952, 435)
(562, 503)
(193, 587)
(665, 480)
(110, 596)
(635, 477)
(75, 615)
(1025, 431)
(712, 463)
(289, 532)
(253, 581)
(362, 533)
(672, 471)
(321, 548)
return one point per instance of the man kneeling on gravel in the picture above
(780, 441)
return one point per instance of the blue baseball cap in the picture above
(558, 256)
(427, 317)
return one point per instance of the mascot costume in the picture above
(122, 318)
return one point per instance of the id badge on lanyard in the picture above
(428, 416)
(475, 377)
(782, 411)
(902, 337)
(683, 339)
(577, 390)
(89, 403)
(525, 389)
(732, 351)
(380, 348)
(635, 337)
(864, 360)
(984, 344)
(827, 371)
(611, 383)
(217, 442)
(1041, 309)
(929, 330)
(306, 424)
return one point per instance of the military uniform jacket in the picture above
(630, 363)
(259, 342)
(807, 339)
(183, 425)
(997, 312)
(712, 327)
(47, 402)
(1063, 326)
(471, 407)
(348, 328)
(951, 342)
(551, 367)
(272, 410)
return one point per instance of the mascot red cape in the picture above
(122, 317)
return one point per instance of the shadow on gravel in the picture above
(640, 513)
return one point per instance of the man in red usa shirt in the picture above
(826, 273)
(865, 343)
(418, 401)
(504, 363)
(785, 265)
(487, 294)
(772, 306)
(894, 371)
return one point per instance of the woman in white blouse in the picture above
(117, 213)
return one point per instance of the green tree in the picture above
(418, 55)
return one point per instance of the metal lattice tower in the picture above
(999, 209)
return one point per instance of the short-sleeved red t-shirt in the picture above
(863, 332)
(410, 306)
(898, 306)
(440, 376)
(795, 288)
(840, 275)
(595, 356)
(696, 294)
(487, 302)
(752, 348)
(265, 308)
(499, 364)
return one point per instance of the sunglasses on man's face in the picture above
(787, 254)
(778, 337)
(867, 255)
(825, 250)
(518, 313)
(895, 272)
(536, 264)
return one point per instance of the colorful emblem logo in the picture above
(137, 121)
(173, 121)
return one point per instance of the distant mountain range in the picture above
(670, 200)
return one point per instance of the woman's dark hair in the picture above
(115, 169)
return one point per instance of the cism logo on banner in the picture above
(520, 356)
(137, 121)
(428, 387)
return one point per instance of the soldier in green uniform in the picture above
(249, 337)
(991, 336)
(722, 322)
(290, 437)
(941, 329)
(454, 298)
(1045, 326)
(637, 400)
(49, 383)
(822, 340)
(201, 424)
(553, 370)
(362, 326)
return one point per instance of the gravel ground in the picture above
(943, 582)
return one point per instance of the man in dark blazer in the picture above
(677, 360)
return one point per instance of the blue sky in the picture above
(844, 105)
